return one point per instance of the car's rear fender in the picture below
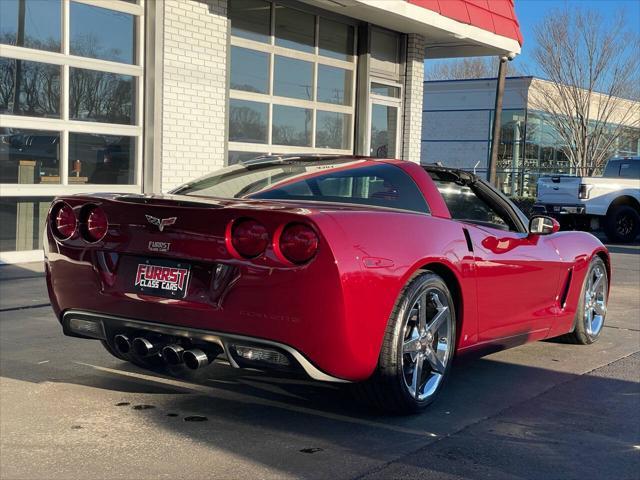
(383, 252)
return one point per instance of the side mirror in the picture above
(542, 225)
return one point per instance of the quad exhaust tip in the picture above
(122, 344)
(143, 347)
(172, 354)
(196, 358)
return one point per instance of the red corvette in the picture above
(343, 269)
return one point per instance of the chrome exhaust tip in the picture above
(122, 344)
(196, 358)
(172, 354)
(143, 347)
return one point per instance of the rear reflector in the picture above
(64, 221)
(96, 224)
(256, 354)
(88, 328)
(298, 243)
(249, 238)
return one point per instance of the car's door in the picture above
(517, 274)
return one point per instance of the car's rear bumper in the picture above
(555, 209)
(100, 326)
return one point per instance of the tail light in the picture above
(584, 191)
(298, 243)
(249, 238)
(64, 221)
(96, 224)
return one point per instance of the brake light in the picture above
(249, 238)
(96, 224)
(298, 243)
(64, 221)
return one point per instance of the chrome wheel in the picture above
(595, 300)
(427, 344)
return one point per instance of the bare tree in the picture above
(472, 67)
(591, 68)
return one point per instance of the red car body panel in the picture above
(335, 308)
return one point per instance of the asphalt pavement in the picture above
(548, 410)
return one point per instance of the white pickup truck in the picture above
(610, 202)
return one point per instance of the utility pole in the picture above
(497, 119)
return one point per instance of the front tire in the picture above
(592, 307)
(622, 224)
(417, 349)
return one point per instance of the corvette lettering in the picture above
(159, 246)
(163, 278)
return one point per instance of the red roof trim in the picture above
(496, 16)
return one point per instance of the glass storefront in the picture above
(530, 148)
(292, 81)
(69, 107)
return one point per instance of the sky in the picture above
(531, 12)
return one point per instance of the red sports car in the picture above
(343, 269)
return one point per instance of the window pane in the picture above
(386, 90)
(236, 157)
(29, 156)
(249, 70)
(336, 39)
(22, 220)
(38, 86)
(334, 85)
(333, 130)
(385, 52)
(41, 24)
(384, 125)
(247, 121)
(101, 159)
(250, 19)
(294, 29)
(101, 97)
(101, 33)
(293, 78)
(291, 126)
(464, 204)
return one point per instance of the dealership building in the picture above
(142, 95)
(457, 127)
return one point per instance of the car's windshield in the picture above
(340, 180)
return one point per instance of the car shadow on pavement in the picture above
(500, 410)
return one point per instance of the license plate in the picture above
(162, 278)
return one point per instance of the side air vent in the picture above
(565, 289)
(467, 237)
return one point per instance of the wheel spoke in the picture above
(600, 308)
(596, 284)
(434, 361)
(422, 313)
(438, 320)
(417, 375)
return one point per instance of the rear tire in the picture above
(592, 307)
(417, 349)
(622, 224)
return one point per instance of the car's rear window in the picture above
(337, 180)
(623, 168)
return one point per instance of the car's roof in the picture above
(335, 158)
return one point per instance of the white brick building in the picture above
(144, 95)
